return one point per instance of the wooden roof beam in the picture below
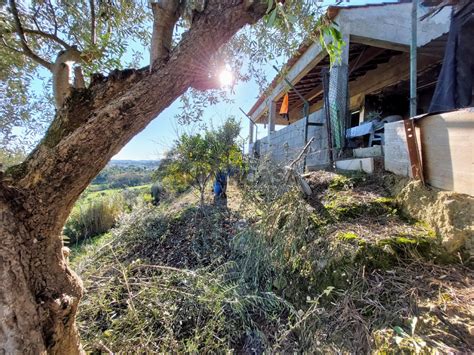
(365, 57)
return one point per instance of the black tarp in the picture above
(454, 88)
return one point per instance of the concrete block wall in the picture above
(285, 144)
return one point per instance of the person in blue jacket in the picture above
(220, 186)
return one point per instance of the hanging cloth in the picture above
(455, 85)
(284, 108)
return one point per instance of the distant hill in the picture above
(148, 164)
(125, 173)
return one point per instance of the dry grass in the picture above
(164, 281)
(93, 217)
(342, 272)
(386, 269)
(379, 308)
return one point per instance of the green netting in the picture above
(338, 104)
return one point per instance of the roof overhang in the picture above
(304, 68)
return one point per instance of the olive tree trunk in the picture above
(39, 293)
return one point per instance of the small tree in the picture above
(195, 159)
(225, 137)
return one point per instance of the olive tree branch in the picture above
(47, 35)
(24, 44)
(43, 34)
(93, 24)
(50, 6)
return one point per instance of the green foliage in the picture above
(52, 26)
(348, 236)
(195, 159)
(107, 35)
(193, 163)
(96, 212)
(340, 182)
(293, 15)
(248, 53)
(93, 217)
(330, 39)
(113, 177)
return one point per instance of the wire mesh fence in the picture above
(338, 105)
(285, 144)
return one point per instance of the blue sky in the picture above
(158, 136)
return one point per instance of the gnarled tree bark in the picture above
(39, 294)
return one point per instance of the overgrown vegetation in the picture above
(176, 292)
(94, 218)
(115, 190)
(97, 212)
(341, 272)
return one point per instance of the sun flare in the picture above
(226, 78)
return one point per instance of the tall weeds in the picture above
(191, 299)
(93, 217)
(280, 276)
